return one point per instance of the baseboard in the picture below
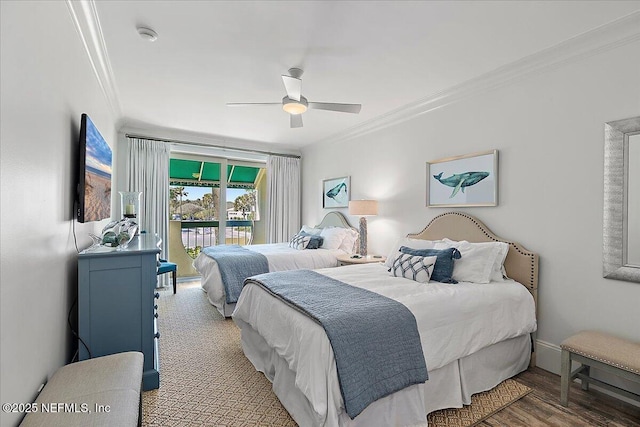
(548, 358)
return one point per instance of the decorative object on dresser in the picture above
(601, 351)
(621, 229)
(468, 180)
(116, 312)
(363, 208)
(348, 259)
(130, 203)
(336, 192)
(119, 233)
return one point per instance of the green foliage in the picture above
(245, 202)
(194, 252)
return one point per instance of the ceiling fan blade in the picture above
(296, 120)
(245, 104)
(343, 108)
(293, 86)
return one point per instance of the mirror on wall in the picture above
(622, 200)
(633, 203)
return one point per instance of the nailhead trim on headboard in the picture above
(532, 285)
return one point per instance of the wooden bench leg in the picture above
(565, 380)
(587, 372)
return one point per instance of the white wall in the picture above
(47, 82)
(548, 129)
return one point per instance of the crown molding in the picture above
(85, 18)
(606, 37)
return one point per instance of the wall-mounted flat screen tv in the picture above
(94, 183)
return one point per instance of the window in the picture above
(211, 204)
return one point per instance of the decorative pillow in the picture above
(480, 262)
(413, 267)
(443, 270)
(299, 242)
(311, 230)
(314, 241)
(410, 243)
(349, 241)
(333, 237)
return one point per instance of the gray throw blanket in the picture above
(236, 264)
(375, 339)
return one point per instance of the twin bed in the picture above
(473, 335)
(280, 257)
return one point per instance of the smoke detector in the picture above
(147, 34)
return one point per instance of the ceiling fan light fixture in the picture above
(292, 106)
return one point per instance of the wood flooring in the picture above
(542, 406)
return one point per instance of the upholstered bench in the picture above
(104, 391)
(601, 351)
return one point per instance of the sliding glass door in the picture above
(217, 201)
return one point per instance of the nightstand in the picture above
(347, 260)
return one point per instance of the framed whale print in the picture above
(336, 192)
(463, 181)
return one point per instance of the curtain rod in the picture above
(200, 144)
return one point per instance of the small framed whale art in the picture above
(336, 192)
(463, 181)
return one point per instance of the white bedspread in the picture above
(454, 320)
(280, 256)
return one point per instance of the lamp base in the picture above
(363, 236)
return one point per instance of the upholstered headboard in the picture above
(336, 219)
(521, 264)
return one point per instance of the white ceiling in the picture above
(384, 55)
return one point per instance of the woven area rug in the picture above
(205, 379)
(483, 405)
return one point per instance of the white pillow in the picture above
(349, 241)
(311, 230)
(478, 261)
(498, 273)
(410, 243)
(333, 237)
(413, 267)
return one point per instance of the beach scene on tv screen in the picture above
(97, 196)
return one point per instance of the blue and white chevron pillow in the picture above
(414, 267)
(300, 241)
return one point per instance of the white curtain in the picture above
(148, 166)
(283, 195)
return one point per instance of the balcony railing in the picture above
(200, 234)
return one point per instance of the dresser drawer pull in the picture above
(157, 295)
(155, 315)
(157, 335)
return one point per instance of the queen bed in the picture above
(473, 335)
(338, 238)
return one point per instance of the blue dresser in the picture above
(116, 303)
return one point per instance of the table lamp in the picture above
(363, 208)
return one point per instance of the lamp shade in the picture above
(363, 207)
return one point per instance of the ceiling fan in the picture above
(295, 104)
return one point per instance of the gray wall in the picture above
(548, 128)
(47, 83)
